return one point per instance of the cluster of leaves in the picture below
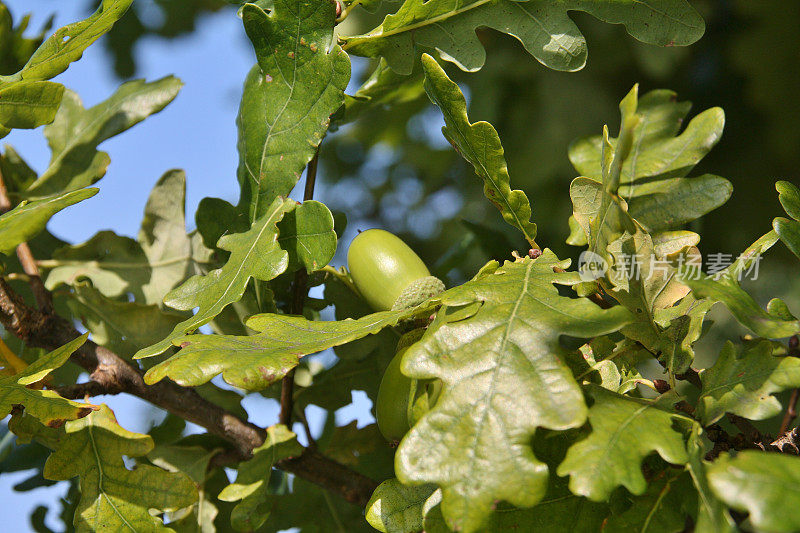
(544, 421)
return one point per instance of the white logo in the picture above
(591, 266)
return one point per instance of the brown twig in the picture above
(299, 293)
(788, 443)
(791, 408)
(82, 391)
(750, 432)
(110, 374)
(315, 467)
(116, 375)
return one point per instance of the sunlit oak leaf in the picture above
(67, 44)
(495, 347)
(306, 233)
(288, 97)
(251, 489)
(544, 29)
(27, 220)
(27, 100)
(398, 507)
(653, 176)
(253, 362)
(29, 104)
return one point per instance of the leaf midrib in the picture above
(101, 476)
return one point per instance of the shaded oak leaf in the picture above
(774, 322)
(625, 430)
(743, 380)
(254, 254)
(789, 230)
(479, 144)
(76, 132)
(765, 485)
(712, 514)
(122, 327)
(664, 507)
(161, 257)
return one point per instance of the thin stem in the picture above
(299, 293)
(43, 297)
(301, 414)
(791, 412)
(346, 11)
(343, 276)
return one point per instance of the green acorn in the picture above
(402, 400)
(387, 273)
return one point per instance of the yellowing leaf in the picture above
(45, 405)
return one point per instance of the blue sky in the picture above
(197, 133)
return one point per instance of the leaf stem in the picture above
(299, 293)
(334, 513)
